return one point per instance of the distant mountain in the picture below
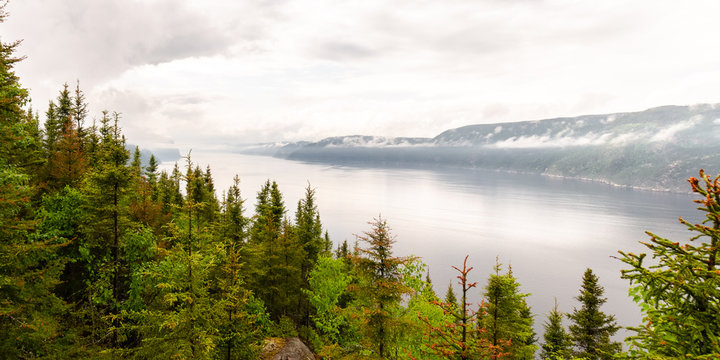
(654, 149)
(161, 154)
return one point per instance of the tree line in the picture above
(103, 256)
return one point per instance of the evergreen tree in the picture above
(591, 329)
(380, 287)
(678, 292)
(450, 297)
(53, 128)
(144, 205)
(29, 267)
(269, 213)
(183, 320)
(506, 316)
(67, 164)
(106, 188)
(309, 233)
(136, 164)
(239, 328)
(556, 340)
(58, 115)
(151, 170)
(309, 229)
(234, 223)
(212, 206)
(64, 110)
(79, 111)
(276, 257)
(457, 337)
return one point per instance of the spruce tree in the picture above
(380, 286)
(309, 234)
(151, 170)
(136, 164)
(106, 189)
(29, 266)
(276, 257)
(67, 164)
(557, 342)
(506, 318)
(591, 329)
(678, 291)
(450, 297)
(79, 111)
(182, 319)
(238, 329)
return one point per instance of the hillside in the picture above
(652, 149)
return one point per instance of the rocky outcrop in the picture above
(286, 349)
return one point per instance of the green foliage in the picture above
(380, 287)
(328, 281)
(29, 266)
(506, 317)
(102, 258)
(452, 333)
(450, 297)
(591, 329)
(679, 290)
(557, 341)
(151, 170)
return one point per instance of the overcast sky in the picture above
(211, 73)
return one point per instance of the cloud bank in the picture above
(223, 72)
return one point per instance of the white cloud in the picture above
(669, 132)
(288, 70)
(547, 141)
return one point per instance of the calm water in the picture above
(548, 229)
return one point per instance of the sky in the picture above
(214, 74)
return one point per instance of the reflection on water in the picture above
(548, 229)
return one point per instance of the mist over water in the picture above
(548, 229)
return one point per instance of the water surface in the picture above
(548, 229)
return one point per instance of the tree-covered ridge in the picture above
(653, 149)
(102, 257)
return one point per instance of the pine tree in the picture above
(591, 329)
(556, 340)
(678, 292)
